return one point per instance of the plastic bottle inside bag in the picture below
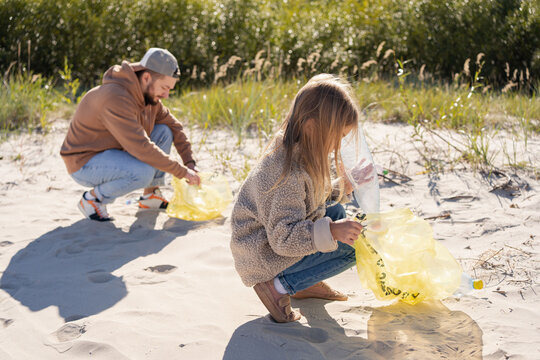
(361, 171)
(468, 285)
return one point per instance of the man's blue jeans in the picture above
(114, 173)
(319, 266)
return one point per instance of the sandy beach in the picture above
(147, 286)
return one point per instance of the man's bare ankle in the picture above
(150, 190)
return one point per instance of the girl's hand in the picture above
(362, 175)
(346, 230)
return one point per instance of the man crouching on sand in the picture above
(120, 137)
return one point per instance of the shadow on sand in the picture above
(71, 267)
(425, 331)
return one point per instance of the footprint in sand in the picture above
(4, 244)
(61, 339)
(72, 249)
(6, 322)
(69, 332)
(100, 276)
(162, 269)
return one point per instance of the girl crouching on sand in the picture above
(284, 241)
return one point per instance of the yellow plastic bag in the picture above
(198, 203)
(397, 258)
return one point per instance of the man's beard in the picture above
(149, 100)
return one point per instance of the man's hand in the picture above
(346, 230)
(192, 177)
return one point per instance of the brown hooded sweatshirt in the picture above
(114, 116)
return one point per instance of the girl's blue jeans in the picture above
(114, 173)
(319, 266)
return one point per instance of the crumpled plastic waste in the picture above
(199, 203)
(361, 171)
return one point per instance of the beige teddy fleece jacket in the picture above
(274, 229)
(114, 116)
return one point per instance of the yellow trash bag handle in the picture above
(397, 258)
(199, 203)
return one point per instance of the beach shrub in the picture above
(293, 39)
(26, 100)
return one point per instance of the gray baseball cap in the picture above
(160, 61)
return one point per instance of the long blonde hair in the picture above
(329, 102)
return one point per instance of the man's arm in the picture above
(181, 142)
(121, 121)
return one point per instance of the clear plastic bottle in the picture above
(468, 285)
(356, 155)
(132, 201)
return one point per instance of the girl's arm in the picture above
(289, 231)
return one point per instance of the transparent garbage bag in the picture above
(397, 258)
(361, 170)
(198, 203)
